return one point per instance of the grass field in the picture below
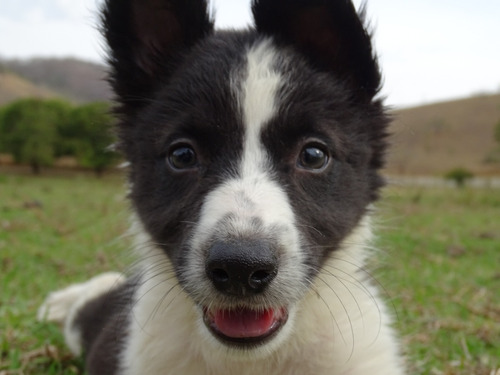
(442, 270)
(439, 266)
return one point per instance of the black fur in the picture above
(330, 33)
(101, 323)
(146, 38)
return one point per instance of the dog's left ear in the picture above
(330, 33)
(146, 39)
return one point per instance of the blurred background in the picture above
(63, 210)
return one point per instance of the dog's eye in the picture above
(313, 157)
(182, 157)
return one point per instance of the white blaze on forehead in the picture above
(260, 85)
(257, 97)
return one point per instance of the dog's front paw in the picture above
(57, 305)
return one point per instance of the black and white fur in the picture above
(254, 159)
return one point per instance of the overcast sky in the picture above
(429, 49)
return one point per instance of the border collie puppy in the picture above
(254, 159)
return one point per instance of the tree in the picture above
(92, 122)
(61, 111)
(29, 132)
(494, 156)
(497, 132)
(37, 131)
(3, 146)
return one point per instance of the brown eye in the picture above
(313, 158)
(182, 157)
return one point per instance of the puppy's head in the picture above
(253, 154)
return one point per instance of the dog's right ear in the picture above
(146, 38)
(330, 33)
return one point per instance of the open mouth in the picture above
(244, 326)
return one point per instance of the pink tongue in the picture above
(243, 323)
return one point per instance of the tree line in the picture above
(38, 132)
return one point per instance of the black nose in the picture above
(241, 268)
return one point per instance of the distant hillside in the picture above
(427, 140)
(13, 87)
(435, 138)
(73, 79)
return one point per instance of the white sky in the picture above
(429, 49)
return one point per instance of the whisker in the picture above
(345, 311)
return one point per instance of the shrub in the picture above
(460, 176)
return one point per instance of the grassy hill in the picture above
(13, 87)
(76, 80)
(433, 139)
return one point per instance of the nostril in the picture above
(219, 275)
(261, 278)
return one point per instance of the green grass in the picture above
(442, 267)
(439, 267)
(53, 231)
